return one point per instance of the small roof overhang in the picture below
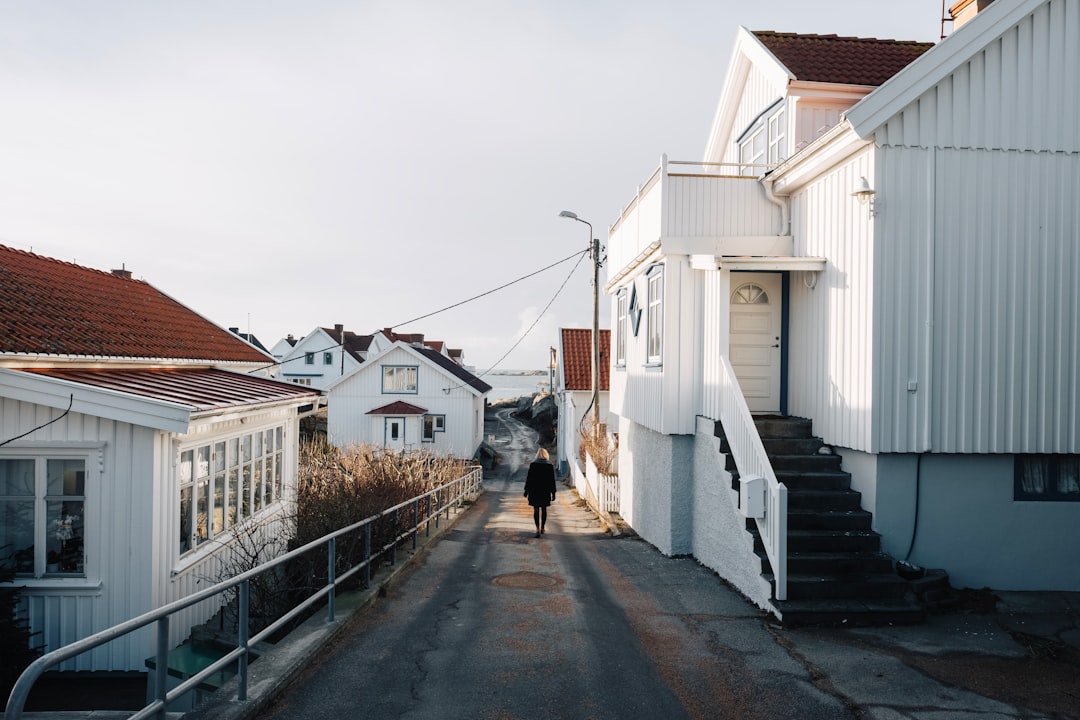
(397, 408)
(805, 264)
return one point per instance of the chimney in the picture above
(234, 331)
(122, 273)
(964, 11)
(339, 329)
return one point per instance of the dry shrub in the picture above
(337, 488)
(603, 453)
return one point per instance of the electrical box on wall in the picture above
(752, 496)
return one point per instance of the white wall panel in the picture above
(830, 340)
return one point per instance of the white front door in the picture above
(754, 342)
(395, 433)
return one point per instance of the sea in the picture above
(510, 384)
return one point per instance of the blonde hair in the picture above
(542, 454)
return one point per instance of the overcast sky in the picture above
(284, 165)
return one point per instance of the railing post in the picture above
(438, 508)
(161, 672)
(393, 547)
(415, 521)
(242, 642)
(331, 577)
(367, 555)
(427, 517)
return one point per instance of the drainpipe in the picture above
(784, 203)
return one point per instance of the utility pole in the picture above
(596, 337)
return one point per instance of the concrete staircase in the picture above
(837, 574)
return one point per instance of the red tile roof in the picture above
(397, 408)
(577, 358)
(51, 307)
(202, 389)
(846, 60)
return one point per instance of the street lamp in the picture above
(594, 249)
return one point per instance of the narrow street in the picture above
(495, 623)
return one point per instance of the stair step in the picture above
(793, 446)
(870, 586)
(833, 541)
(776, 426)
(799, 499)
(829, 520)
(849, 613)
(805, 463)
(838, 564)
(825, 480)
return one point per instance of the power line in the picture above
(579, 255)
(477, 297)
(71, 401)
(537, 320)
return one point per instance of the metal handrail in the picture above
(752, 460)
(466, 486)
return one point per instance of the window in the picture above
(655, 315)
(399, 379)
(432, 425)
(750, 294)
(226, 482)
(328, 358)
(764, 142)
(620, 329)
(42, 513)
(309, 358)
(1047, 477)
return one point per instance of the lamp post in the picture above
(594, 249)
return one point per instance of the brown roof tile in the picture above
(52, 307)
(835, 59)
(577, 358)
(397, 407)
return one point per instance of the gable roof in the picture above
(879, 106)
(249, 337)
(841, 60)
(577, 358)
(454, 369)
(51, 307)
(350, 342)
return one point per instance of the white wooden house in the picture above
(324, 355)
(887, 250)
(136, 438)
(408, 397)
(573, 382)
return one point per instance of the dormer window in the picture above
(764, 142)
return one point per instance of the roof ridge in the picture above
(834, 36)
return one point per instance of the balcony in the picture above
(696, 208)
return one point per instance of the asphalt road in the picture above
(496, 624)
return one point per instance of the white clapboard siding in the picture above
(438, 393)
(979, 180)
(830, 339)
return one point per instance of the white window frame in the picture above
(400, 379)
(621, 301)
(46, 529)
(243, 477)
(763, 144)
(654, 321)
(437, 424)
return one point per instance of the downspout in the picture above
(783, 202)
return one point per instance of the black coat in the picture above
(540, 484)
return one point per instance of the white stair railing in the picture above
(753, 462)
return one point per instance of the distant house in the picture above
(282, 348)
(136, 439)
(249, 338)
(324, 355)
(881, 240)
(409, 396)
(573, 383)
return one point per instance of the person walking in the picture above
(540, 488)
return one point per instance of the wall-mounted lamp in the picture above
(865, 194)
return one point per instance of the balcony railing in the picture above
(685, 199)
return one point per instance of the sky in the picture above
(283, 165)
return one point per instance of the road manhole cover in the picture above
(525, 581)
